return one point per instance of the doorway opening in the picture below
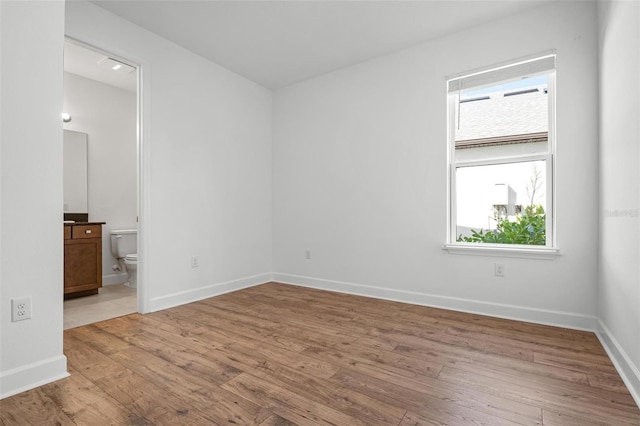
(102, 107)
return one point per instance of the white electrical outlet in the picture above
(307, 254)
(20, 309)
(194, 262)
(499, 270)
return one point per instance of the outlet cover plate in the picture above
(20, 309)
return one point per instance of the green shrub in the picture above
(528, 229)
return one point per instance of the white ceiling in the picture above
(95, 66)
(278, 43)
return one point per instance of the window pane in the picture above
(500, 151)
(501, 203)
(506, 119)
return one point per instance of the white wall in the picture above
(206, 165)
(619, 291)
(360, 176)
(206, 175)
(31, 196)
(109, 116)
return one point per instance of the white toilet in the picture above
(124, 247)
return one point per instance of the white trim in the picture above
(143, 146)
(519, 313)
(494, 161)
(494, 74)
(113, 279)
(144, 181)
(629, 372)
(32, 375)
(522, 252)
(548, 63)
(452, 205)
(193, 295)
(550, 176)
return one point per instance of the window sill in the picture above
(502, 251)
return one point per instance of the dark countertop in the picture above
(84, 223)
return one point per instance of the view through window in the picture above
(501, 153)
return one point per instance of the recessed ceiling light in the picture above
(115, 65)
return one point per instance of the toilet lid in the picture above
(133, 256)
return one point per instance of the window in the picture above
(501, 157)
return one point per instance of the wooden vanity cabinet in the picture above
(82, 259)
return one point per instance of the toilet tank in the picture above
(124, 242)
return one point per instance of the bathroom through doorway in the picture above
(102, 102)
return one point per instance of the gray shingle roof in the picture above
(501, 115)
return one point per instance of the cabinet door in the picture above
(82, 264)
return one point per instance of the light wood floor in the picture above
(280, 355)
(112, 301)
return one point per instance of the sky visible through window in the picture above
(540, 80)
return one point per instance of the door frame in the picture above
(142, 169)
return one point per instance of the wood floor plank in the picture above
(275, 370)
(199, 391)
(551, 336)
(606, 381)
(421, 399)
(276, 420)
(130, 327)
(574, 364)
(426, 343)
(86, 404)
(149, 402)
(375, 311)
(474, 344)
(355, 358)
(320, 329)
(252, 353)
(551, 418)
(286, 403)
(127, 387)
(426, 393)
(251, 331)
(458, 417)
(32, 408)
(278, 354)
(90, 362)
(501, 323)
(402, 362)
(100, 340)
(184, 358)
(487, 359)
(575, 405)
(539, 344)
(580, 392)
(179, 323)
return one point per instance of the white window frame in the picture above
(472, 79)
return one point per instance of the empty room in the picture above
(329, 212)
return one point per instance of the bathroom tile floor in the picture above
(112, 301)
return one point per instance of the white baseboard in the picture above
(629, 372)
(113, 279)
(200, 293)
(33, 375)
(520, 313)
(30, 376)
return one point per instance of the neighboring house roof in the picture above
(499, 118)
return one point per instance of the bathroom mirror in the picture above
(75, 173)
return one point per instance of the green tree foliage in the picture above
(528, 229)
